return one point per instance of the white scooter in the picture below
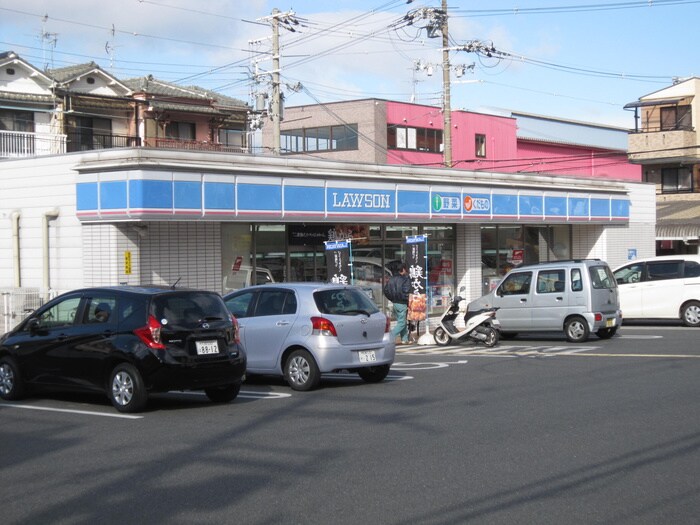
(480, 326)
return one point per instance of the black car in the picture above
(126, 341)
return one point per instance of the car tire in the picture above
(223, 394)
(576, 330)
(441, 336)
(690, 314)
(606, 333)
(11, 383)
(301, 371)
(126, 389)
(492, 336)
(374, 374)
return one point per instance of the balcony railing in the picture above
(87, 140)
(17, 144)
(199, 145)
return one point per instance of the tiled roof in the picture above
(66, 73)
(153, 86)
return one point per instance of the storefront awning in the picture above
(678, 220)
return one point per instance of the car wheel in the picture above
(223, 394)
(441, 337)
(690, 314)
(11, 384)
(509, 335)
(126, 389)
(492, 336)
(576, 330)
(606, 333)
(301, 371)
(374, 374)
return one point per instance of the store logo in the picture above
(361, 200)
(476, 204)
(441, 203)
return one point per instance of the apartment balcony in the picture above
(660, 146)
(18, 144)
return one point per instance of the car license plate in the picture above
(207, 347)
(610, 323)
(368, 357)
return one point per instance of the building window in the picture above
(325, 138)
(417, 139)
(180, 130)
(676, 118)
(480, 145)
(11, 120)
(232, 138)
(676, 180)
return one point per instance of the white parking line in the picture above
(71, 411)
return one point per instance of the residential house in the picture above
(84, 108)
(665, 142)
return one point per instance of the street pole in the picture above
(446, 109)
(275, 104)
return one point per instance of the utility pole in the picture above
(446, 106)
(276, 92)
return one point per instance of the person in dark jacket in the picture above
(399, 288)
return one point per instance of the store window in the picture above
(508, 246)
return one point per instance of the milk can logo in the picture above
(441, 203)
(476, 204)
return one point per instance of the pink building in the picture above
(387, 132)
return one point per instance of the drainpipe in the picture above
(48, 216)
(14, 217)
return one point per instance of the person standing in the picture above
(397, 291)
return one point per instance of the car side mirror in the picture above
(33, 326)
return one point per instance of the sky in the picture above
(575, 59)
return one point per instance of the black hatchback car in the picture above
(126, 341)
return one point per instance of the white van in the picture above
(578, 297)
(243, 277)
(665, 287)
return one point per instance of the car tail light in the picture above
(598, 316)
(150, 334)
(322, 326)
(236, 333)
(387, 327)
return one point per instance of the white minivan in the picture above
(665, 287)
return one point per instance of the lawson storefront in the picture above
(227, 221)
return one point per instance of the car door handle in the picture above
(282, 323)
(62, 337)
(523, 300)
(560, 298)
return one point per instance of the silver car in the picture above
(302, 330)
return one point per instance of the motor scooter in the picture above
(480, 326)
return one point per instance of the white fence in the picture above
(17, 303)
(15, 144)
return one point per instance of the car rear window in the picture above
(601, 277)
(188, 308)
(344, 301)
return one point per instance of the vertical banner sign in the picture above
(418, 272)
(338, 262)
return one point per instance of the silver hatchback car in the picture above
(302, 330)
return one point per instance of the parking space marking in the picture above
(355, 377)
(71, 411)
(251, 394)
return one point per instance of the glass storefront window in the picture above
(270, 249)
(507, 246)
